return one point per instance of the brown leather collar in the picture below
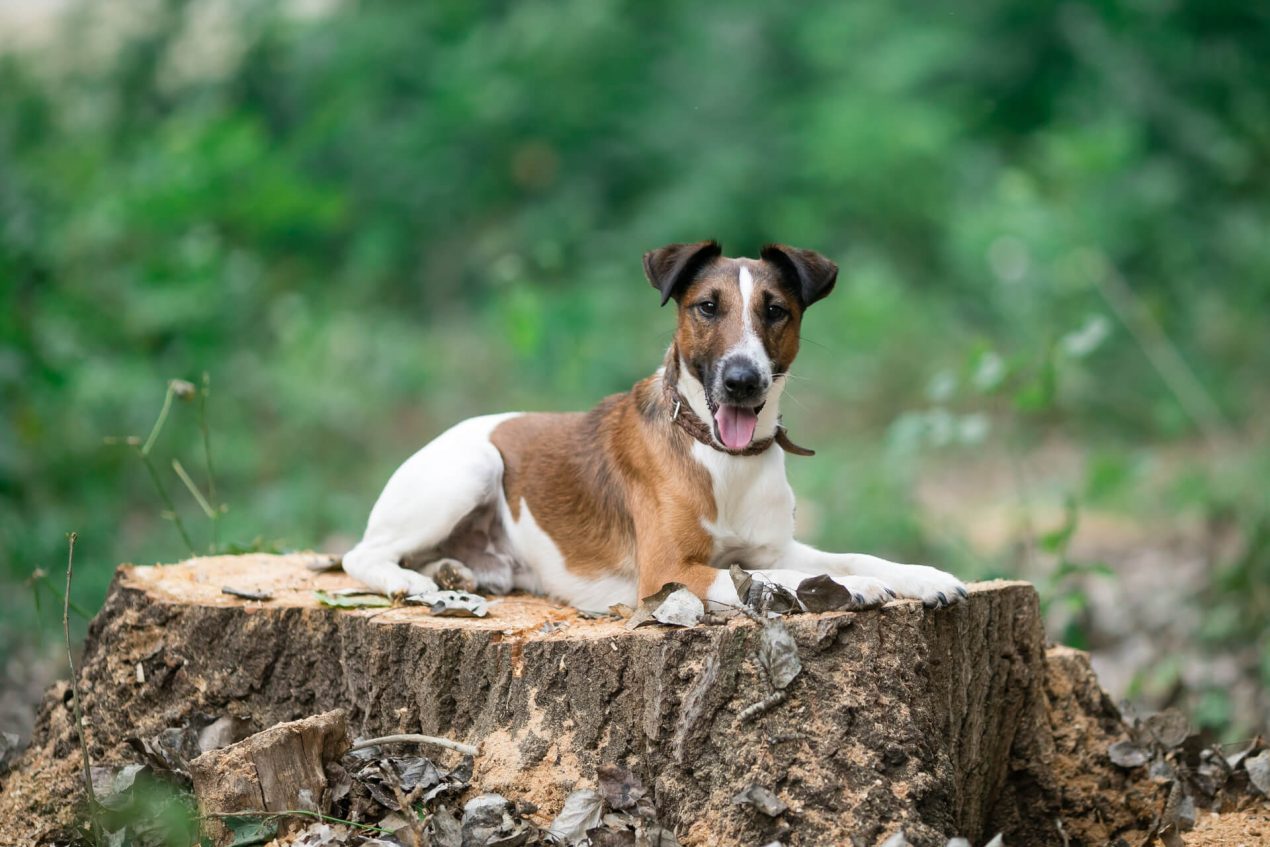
(683, 415)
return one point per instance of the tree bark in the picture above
(941, 722)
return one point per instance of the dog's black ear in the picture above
(672, 267)
(810, 274)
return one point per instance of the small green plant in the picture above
(179, 389)
(1063, 588)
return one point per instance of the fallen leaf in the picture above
(778, 654)
(673, 604)
(112, 786)
(822, 594)
(681, 608)
(321, 834)
(451, 604)
(1258, 768)
(169, 751)
(222, 732)
(1170, 728)
(621, 789)
(487, 821)
(655, 835)
(444, 829)
(405, 772)
(1126, 754)
(761, 594)
(248, 831)
(582, 811)
(760, 799)
(9, 743)
(613, 838)
(351, 601)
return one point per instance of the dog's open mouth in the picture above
(734, 425)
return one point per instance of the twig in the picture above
(413, 826)
(79, 716)
(245, 594)
(458, 746)
(207, 457)
(159, 421)
(193, 489)
(768, 703)
(302, 813)
(167, 499)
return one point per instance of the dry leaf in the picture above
(582, 812)
(822, 594)
(621, 789)
(778, 654)
(760, 799)
(351, 601)
(673, 604)
(1258, 768)
(1126, 754)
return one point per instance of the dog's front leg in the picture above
(716, 586)
(930, 585)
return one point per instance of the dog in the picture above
(675, 480)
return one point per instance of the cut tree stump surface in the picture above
(945, 722)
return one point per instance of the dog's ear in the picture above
(672, 267)
(810, 274)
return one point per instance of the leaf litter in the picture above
(1191, 768)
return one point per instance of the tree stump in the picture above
(279, 769)
(941, 722)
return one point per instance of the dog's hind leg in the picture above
(430, 495)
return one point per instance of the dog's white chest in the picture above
(754, 505)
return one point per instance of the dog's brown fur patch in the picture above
(615, 488)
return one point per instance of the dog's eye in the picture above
(775, 312)
(709, 308)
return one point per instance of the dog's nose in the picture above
(742, 381)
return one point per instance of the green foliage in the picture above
(369, 223)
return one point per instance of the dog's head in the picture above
(738, 321)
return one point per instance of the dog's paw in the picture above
(932, 586)
(866, 591)
(451, 575)
(406, 583)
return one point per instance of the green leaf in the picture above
(250, 831)
(352, 601)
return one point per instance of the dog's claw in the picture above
(963, 593)
(943, 599)
(891, 592)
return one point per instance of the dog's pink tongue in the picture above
(736, 426)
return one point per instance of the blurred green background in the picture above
(1046, 357)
